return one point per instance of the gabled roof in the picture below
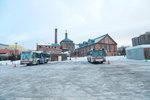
(100, 38)
(93, 41)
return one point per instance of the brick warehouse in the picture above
(102, 42)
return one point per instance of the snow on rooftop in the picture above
(98, 39)
(48, 44)
(3, 44)
(92, 41)
(44, 43)
(76, 46)
(139, 46)
(111, 58)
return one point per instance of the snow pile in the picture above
(116, 58)
(9, 63)
(79, 59)
(110, 58)
(76, 59)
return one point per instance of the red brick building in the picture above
(9, 50)
(67, 44)
(102, 42)
(51, 48)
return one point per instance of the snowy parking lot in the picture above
(76, 79)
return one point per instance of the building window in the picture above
(105, 46)
(39, 46)
(108, 49)
(107, 41)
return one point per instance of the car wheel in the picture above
(38, 62)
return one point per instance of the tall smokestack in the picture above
(66, 35)
(55, 35)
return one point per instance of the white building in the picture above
(139, 52)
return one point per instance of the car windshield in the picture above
(25, 55)
(98, 53)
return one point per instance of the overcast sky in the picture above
(33, 21)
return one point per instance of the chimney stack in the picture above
(66, 35)
(55, 35)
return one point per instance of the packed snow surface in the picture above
(76, 79)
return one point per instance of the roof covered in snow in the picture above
(45, 44)
(92, 41)
(139, 46)
(3, 44)
(48, 44)
(55, 45)
(66, 40)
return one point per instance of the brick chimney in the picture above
(55, 35)
(66, 35)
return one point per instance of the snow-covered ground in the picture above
(76, 79)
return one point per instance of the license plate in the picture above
(98, 59)
(24, 62)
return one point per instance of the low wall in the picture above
(58, 57)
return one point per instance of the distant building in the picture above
(10, 50)
(102, 42)
(67, 44)
(142, 39)
(18, 47)
(122, 50)
(4, 46)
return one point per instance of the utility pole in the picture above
(36, 46)
(16, 50)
